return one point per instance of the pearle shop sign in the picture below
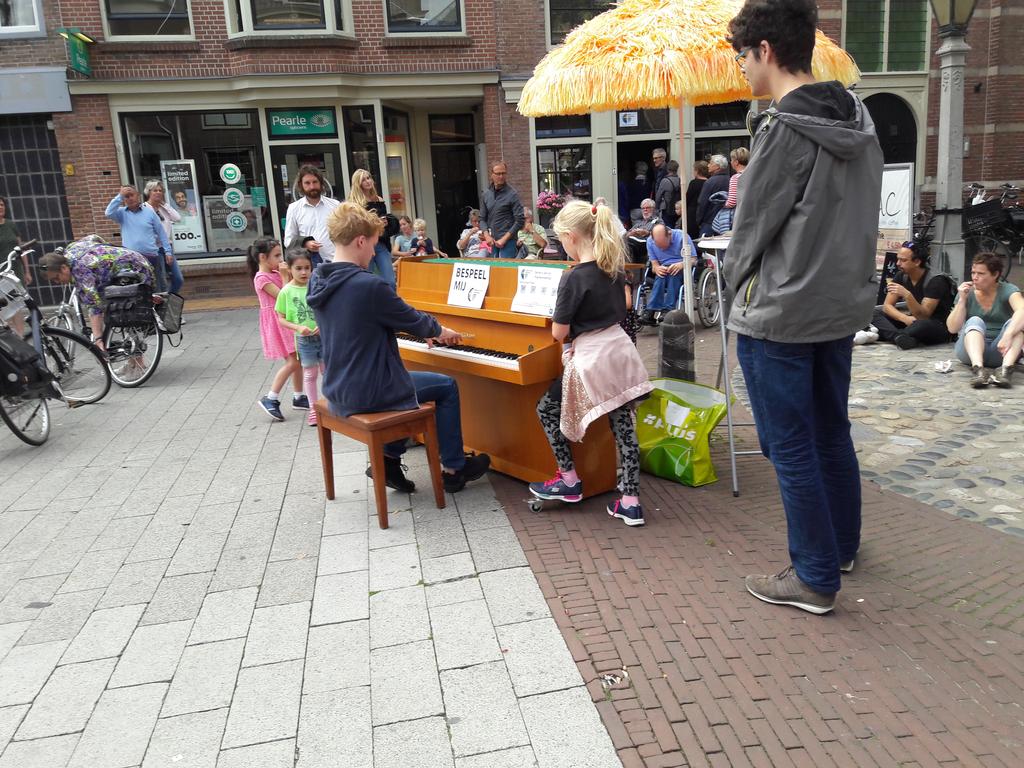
(302, 122)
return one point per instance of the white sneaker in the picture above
(864, 337)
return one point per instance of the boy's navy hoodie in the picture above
(358, 314)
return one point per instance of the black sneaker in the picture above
(475, 467)
(300, 402)
(271, 407)
(394, 476)
(981, 377)
(905, 341)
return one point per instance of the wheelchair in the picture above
(706, 299)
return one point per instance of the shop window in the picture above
(562, 127)
(632, 121)
(206, 164)
(287, 16)
(451, 129)
(148, 18)
(361, 141)
(722, 117)
(887, 36)
(564, 15)
(566, 171)
(704, 148)
(21, 18)
(406, 16)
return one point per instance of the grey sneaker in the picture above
(980, 379)
(785, 588)
(847, 567)
(1001, 377)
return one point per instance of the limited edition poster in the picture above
(180, 185)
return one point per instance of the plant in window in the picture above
(550, 201)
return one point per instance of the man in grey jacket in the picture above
(802, 265)
(501, 213)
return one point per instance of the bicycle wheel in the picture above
(999, 247)
(77, 364)
(708, 305)
(29, 419)
(133, 353)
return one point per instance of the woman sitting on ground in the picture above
(989, 316)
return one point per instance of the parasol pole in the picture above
(687, 271)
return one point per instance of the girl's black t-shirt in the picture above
(589, 300)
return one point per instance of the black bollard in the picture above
(675, 353)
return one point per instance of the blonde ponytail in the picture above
(594, 224)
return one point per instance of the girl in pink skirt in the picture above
(278, 344)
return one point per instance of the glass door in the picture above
(285, 163)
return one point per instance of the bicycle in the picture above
(994, 227)
(707, 300)
(76, 366)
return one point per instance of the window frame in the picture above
(338, 21)
(547, 23)
(884, 42)
(407, 33)
(22, 31)
(112, 36)
(554, 145)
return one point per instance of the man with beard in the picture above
(306, 219)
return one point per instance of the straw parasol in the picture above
(655, 53)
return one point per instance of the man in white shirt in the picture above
(306, 219)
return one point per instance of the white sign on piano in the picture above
(537, 290)
(469, 285)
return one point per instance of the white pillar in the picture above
(950, 171)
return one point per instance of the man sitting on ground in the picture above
(358, 315)
(928, 297)
(665, 247)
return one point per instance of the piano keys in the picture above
(506, 363)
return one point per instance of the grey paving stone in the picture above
(53, 752)
(118, 731)
(134, 583)
(537, 657)
(438, 539)
(265, 706)
(517, 757)
(277, 633)
(239, 568)
(479, 517)
(188, 741)
(252, 531)
(177, 598)
(104, 635)
(398, 616)
(513, 595)
(481, 709)
(495, 548)
(10, 719)
(341, 597)
(26, 668)
(26, 592)
(274, 754)
(88, 522)
(346, 517)
(295, 539)
(177, 510)
(394, 567)
(158, 542)
(335, 730)
(450, 592)
(198, 552)
(438, 569)
(463, 635)
(63, 618)
(205, 678)
(95, 570)
(401, 529)
(224, 615)
(121, 533)
(67, 700)
(152, 654)
(566, 731)
(416, 744)
(403, 682)
(289, 581)
(337, 656)
(10, 634)
(342, 554)
(61, 556)
(214, 518)
(263, 498)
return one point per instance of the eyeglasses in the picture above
(739, 57)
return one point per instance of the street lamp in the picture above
(952, 17)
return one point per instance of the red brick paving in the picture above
(921, 663)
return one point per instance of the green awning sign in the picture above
(302, 122)
(78, 56)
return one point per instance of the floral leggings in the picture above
(623, 425)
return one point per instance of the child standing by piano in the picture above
(603, 373)
(293, 314)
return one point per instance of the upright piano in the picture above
(502, 369)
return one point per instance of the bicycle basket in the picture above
(22, 372)
(169, 312)
(12, 301)
(978, 218)
(128, 305)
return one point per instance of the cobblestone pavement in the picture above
(176, 592)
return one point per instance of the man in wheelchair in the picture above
(665, 250)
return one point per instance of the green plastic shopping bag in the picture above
(673, 426)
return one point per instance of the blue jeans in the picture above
(381, 264)
(507, 251)
(174, 273)
(665, 292)
(991, 356)
(443, 392)
(159, 271)
(798, 394)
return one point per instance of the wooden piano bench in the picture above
(375, 430)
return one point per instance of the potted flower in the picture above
(548, 205)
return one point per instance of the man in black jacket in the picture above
(358, 314)
(718, 181)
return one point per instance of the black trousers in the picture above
(927, 331)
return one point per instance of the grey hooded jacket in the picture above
(801, 261)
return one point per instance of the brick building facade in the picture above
(420, 92)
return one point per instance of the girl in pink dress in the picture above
(278, 344)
